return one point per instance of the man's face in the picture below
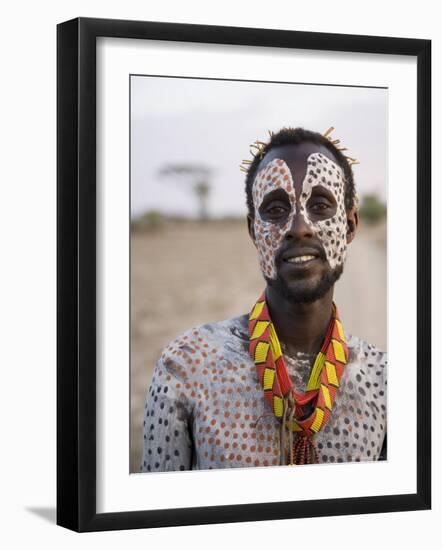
(300, 227)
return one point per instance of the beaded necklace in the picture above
(302, 414)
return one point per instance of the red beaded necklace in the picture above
(287, 404)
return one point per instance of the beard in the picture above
(305, 291)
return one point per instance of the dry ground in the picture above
(187, 273)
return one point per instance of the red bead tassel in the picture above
(304, 451)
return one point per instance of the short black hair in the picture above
(296, 136)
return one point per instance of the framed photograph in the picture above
(243, 274)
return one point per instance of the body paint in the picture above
(268, 235)
(331, 232)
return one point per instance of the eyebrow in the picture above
(275, 194)
(316, 189)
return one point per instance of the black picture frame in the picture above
(77, 287)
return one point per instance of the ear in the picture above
(352, 223)
(251, 227)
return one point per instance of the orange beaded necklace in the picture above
(287, 404)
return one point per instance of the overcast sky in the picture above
(212, 122)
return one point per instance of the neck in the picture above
(301, 327)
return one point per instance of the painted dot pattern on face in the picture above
(268, 235)
(331, 232)
(205, 407)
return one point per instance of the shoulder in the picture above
(360, 350)
(199, 344)
(366, 360)
(201, 336)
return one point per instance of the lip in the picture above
(299, 252)
(287, 262)
(301, 265)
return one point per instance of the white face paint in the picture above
(268, 235)
(331, 232)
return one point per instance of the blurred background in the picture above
(192, 260)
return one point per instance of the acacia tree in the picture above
(197, 177)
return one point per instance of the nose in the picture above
(299, 228)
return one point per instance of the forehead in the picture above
(296, 157)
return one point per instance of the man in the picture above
(283, 384)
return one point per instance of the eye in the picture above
(320, 206)
(275, 206)
(276, 211)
